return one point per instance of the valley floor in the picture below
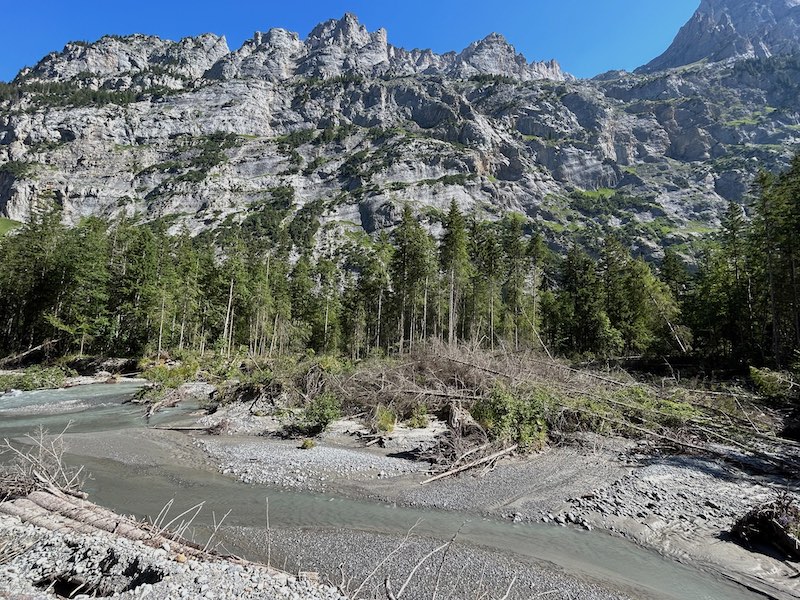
(677, 505)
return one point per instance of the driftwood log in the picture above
(54, 510)
(471, 465)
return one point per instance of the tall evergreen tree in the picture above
(454, 264)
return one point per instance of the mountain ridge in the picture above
(331, 49)
(346, 128)
(733, 29)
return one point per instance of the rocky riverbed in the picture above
(464, 571)
(681, 506)
(37, 563)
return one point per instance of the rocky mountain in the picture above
(332, 49)
(342, 128)
(734, 29)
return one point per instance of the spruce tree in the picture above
(454, 265)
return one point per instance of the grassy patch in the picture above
(7, 225)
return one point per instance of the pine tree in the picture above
(577, 322)
(305, 309)
(83, 309)
(327, 330)
(454, 264)
(516, 270)
(410, 270)
(486, 255)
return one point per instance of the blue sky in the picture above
(586, 36)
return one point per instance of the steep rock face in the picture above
(725, 29)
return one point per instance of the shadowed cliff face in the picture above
(725, 29)
(347, 128)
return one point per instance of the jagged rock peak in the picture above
(730, 29)
(494, 55)
(114, 56)
(333, 48)
(347, 32)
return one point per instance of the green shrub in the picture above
(297, 138)
(172, 377)
(332, 364)
(17, 169)
(385, 418)
(323, 410)
(35, 378)
(308, 444)
(511, 418)
(771, 384)
(419, 417)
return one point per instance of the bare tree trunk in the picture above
(412, 325)
(402, 322)
(230, 334)
(161, 325)
(451, 309)
(380, 306)
(325, 336)
(491, 314)
(425, 312)
(228, 314)
(183, 328)
(274, 335)
(172, 329)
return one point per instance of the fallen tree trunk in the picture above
(475, 463)
(16, 358)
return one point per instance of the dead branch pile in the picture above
(775, 524)
(40, 466)
(450, 381)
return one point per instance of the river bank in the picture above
(37, 563)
